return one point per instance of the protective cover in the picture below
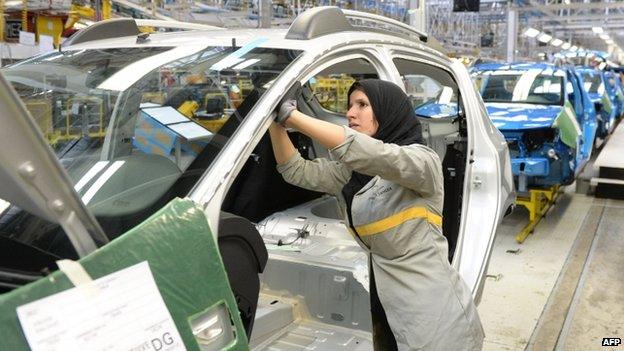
(568, 125)
(178, 244)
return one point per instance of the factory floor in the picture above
(563, 288)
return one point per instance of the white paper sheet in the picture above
(121, 311)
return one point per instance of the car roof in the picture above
(266, 38)
(316, 30)
(519, 66)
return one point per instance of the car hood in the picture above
(506, 116)
(595, 97)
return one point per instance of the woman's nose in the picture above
(351, 113)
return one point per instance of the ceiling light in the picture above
(565, 46)
(573, 48)
(544, 38)
(556, 42)
(604, 36)
(597, 30)
(531, 32)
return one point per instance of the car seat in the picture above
(244, 257)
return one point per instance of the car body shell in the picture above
(487, 189)
(604, 101)
(533, 128)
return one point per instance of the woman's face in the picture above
(360, 114)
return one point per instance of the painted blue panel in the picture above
(434, 110)
(532, 166)
(511, 116)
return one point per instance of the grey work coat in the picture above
(397, 216)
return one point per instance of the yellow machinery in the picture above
(41, 110)
(245, 85)
(78, 11)
(188, 108)
(2, 21)
(25, 15)
(214, 125)
(96, 107)
(332, 92)
(49, 25)
(538, 203)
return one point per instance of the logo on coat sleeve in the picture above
(382, 190)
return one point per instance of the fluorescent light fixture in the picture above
(531, 32)
(3, 206)
(125, 77)
(97, 185)
(556, 42)
(245, 64)
(90, 174)
(574, 48)
(565, 46)
(446, 95)
(544, 38)
(604, 36)
(597, 30)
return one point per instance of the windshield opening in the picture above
(592, 83)
(134, 127)
(529, 87)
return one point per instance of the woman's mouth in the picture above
(353, 126)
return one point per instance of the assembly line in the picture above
(296, 176)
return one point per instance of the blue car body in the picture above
(604, 102)
(614, 88)
(550, 129)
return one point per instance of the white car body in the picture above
(328, 253)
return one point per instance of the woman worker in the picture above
(390, 188)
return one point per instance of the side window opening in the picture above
(281, 212)
(259, 190)
(437, 104)
(330, 86)
(576, 97)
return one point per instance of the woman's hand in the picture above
(286, 109)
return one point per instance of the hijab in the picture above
(398, 124)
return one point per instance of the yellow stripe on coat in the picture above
(398, 219)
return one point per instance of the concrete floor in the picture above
(563, 288)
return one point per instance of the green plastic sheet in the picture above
(569, 129)
(183, 257)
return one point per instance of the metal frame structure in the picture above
(537, 203)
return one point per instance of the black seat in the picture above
(244, 257)
(453, 168)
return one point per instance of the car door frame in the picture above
(212, 187)
(482, 157)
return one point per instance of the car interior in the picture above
(303, 222)
(257, 195)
